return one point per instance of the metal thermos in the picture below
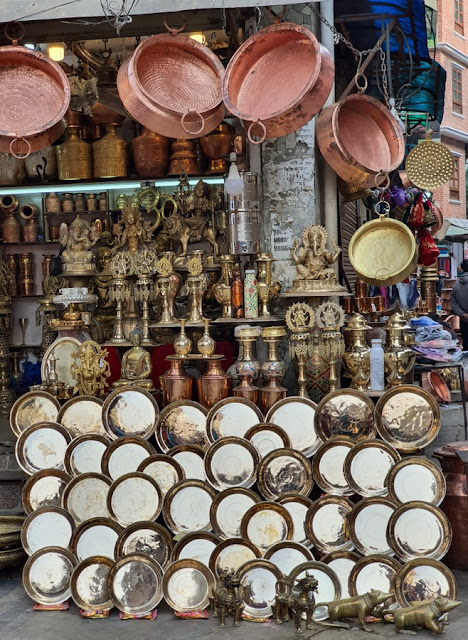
(244, 217)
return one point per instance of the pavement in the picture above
(18, 621)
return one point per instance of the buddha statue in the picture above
(100, 284)
(136, 365)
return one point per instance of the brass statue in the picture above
(78, 240)
(300, 601)
(100, 284)
(357, 607)
(136, 365)
(132, 230)
(90, 369)
(429, 614)
(330, 318)
(227, 599)
(283, 591)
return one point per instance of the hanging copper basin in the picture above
(278, 80)
(359, 138)
(22, 147)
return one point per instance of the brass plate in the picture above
(328, 588)
(284, 471)
(146, 538)
(373, 572)
(296, 416)
(228, 509)
(367, 466)
(84, 454)
(408, 418)
(424, 579)
(429, 165)
(368, 525)
(135, 584)
(327, 524)
(298, 506)
(85, 497)
(328, 466)
(196, 546)
(231, 462)
(47, 574)
(134, 497)
(232, 417)
(33, 407)
(42, 446)
(188, 585)
(44, 489)
(342, 563)
(258, 587)
(187, 506)
(416, 478)
(182, 423)
(287, 555)
(47, 527)
(419, 530)
(345, 413)
(125, 455)
(230, 555)
(266, 523)
(82, 415)
(88, 585)
(95, 537)
(164, 470)
(61, 349)
(130, 411)
(192, 460)
(267, 437)
(10, 532)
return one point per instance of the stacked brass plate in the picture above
(44, 489)
(230, 555)
(231, 462)
(42, 446)
(196, 546)
(297, 506)
(84, 454)
(125, 455)
(95, 537)
(267, 437)
(182, 423)
(416, 478)
(187, 506)
(373, 572)
(89, 584)
(342, 563)
(135, 584)
(164, 470)
(368, 524)
(287, 555)
(296, 416)
(266, 523)
(47, 574)
(258, 587)
(232, 417)
(345, 413)
(326, 524)
(328, 466)
(85, 497)
(424, 579)
(284, 471)
(192, 460)
(47, 527)
(147, 538)
(367, 466)
(130, 411)
(228, 508)
(134, 497)
(328, 588)
(188, 585)
(32, 407)
(82, 415)
(429, 164)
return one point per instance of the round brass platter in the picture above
(95, 537)
(82, 415)
(166, 471)
(47, 574)
(287, 555)
(88, 585)
(267, 437)
(232, 417)
(47, 527)
(85, 496)
(345, 413)
(424, 579)
(373, 572)
(42, 446)
(192, 460)
(130, 411)
(125, 455)
(266, 523)
(416, 478)
(342, 562)
(296, 416)
(367, 466)
(33, 407)
(258, 587)
(134, 497)
(187, 506)
(231, 462)
(44, 489)
(230, 555)
(188, 585)
(228, 509)
(182, 423)
(135, 584)
(328, 588)
(284, 471)
(196, 546)
(84, 454)
(368, 524)
(298, 506)
(326, 524)
(147, 538)
(429, 165)
(328, 466)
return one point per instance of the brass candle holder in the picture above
(121, 268)
(273, 365)
(145, 266)
(300, 319)
(330, 319)
(196, 285)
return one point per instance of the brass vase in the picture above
(267, 290)
(206, 345)
(248, 365)
(222, 288)
(356, 357)
(183, 158)
(110, 155)
(398, 357)
(176, 384)
(182, 344)
(273, 365)
(74, 157)
(151, 154)
(214, 385)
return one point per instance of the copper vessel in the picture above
(245, 389)
(151, 154)
(110, 155)
(74, 157)
(214, 385)
(53, 203)
(176, 384)
(12, 170)
(216, 145)
(11, 228)
(183, 159)
(278, 80)
(436, 385)
(272, 393)
(22, 147)
(360, 139)
(29, 212)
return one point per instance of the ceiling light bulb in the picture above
(233, 185)
(56, 51)
(199, 37)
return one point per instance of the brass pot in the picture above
(216, 145)
(110, 155)
(74, 157)
(12, 170)
(30, 230)
(151, 154)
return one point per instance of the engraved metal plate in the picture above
(196, 546)
(47, 574)
(192, 460)
(147, 538)
(258, 587)
(328, 588)
(88, 585)
(368, 525)
(284, 471)
(287, 555)
(373, 572)
(95, 537)
(267, 437)
(47, 527)
(125, 456)
(328, 466)
(228, 509)
(424, 579)
(61, 349)
(84, 454)
(166, 471)
(345, 413)
(416, 478)
(298, 506)
(42, 446)
(418, 529)
(134, 497)
(187, 506)
(296, 416)
(231, 462)
(342, 563)
(182, 423)
(135, 584)
(326, 524)
(266, 523)
(44, 489)
(130, 411)
(229, 555)
(232, 417)
(82, 415)
(85, 497)
(188, 585)
(33, 407)
(367, 466)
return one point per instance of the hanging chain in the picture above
(383, 67)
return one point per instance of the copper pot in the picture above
(176, 384)
(151, 154)
(216, 145)
(278, 80)
(454, 322)
(436, 385)
(214, 385)
(183, 159)
(359, 138)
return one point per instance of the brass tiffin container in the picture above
(74, 157)
(110, 155)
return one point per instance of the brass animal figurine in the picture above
(300, 600)
(358, 607)
(283, 591)
(227, 599)
(427, 615)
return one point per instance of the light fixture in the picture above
(234, 185)
(395, 114)
(30, 45)
(199, 37)
(56, 51)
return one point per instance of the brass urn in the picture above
(398, 357)
(74, 157)
(356, 357)
(110, 155)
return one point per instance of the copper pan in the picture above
(23, 146)
(278, 80)
(359, 138)
(436, 385)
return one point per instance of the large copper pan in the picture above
(359, 138)
(22, 147)
(278, 80)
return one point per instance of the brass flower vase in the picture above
(356, 357)
(214, 385)
(222, 288)
(398, 357)
(246, 389)
(182, 344)
(176, 384)
(206, 345)
(248, 365)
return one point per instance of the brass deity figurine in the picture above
(330, 318)
(100, 284)
(90, 369)
(300, 320)
(136, 365)
(133, 231)
(78, 240)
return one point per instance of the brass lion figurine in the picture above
(428, 614)
(227, 599)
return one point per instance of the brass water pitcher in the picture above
(110, 155)
(356, 357)
(398, 357)
(74, 157)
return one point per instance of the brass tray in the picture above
(342, 563)
(429, 164)
(258, 587)
(82, 415)
(44, 489)
(373, 572)
(327, 524)
(95, 537)
(367, 466)
(88, 584)
(125, 455)
(328, 466)
(408, 418)
(182, 423)
(346, 413)
(230, 555)
(368, 524)
(196, 546)
(130, 411)
(232, 417)
(135, 584)
(284, 471)
(164, 470)
(61, 349)
(42, 446)
(47, 527)
(231, 462)
(419, 530)
(32, 407)
(187, 506)
(188, 585)
(296, 416)
(424, 579)
(192, 460)
(10, 532)
(328, 588)
(47, 574)
(134, 497)
(287, 555)
(416, 478)
(85, 497)
(267, 437)
(228, 509)
(84, 454)
(145, 538)
(266, 523)
(298, 506)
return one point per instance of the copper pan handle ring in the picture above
(202, 122)
(20, 156)
(362, 88)
(382, 209)
(382, 175)
(262, 127)
(172, 30)
(14, 31)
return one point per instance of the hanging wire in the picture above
(117, 12)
